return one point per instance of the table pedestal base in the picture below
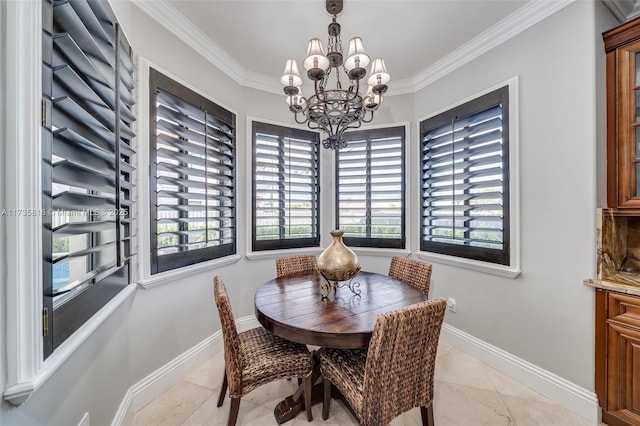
(292, 405)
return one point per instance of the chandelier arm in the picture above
(329, 127)
(364, 120)
(295, 117)
(357, 86)
(313, 125)
(355, 126)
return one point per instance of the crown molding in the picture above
(525, 17)
(266, 83)
(622, 9)
(401, 87)
(522, 19)
(176, 23)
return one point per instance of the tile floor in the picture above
(467, 393)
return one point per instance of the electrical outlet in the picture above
(451, 304)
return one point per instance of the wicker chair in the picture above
(293, 264)
(256, 357)
(412, 272)
(395, 373)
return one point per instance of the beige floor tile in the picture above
(467, 393)
(210, 415)
(209, 374)
(338, 416)
(410, 418)
(533, 412)
(174, 406)
(456, 404)
(271, 394)
(508, 386)
(256, 416)
(453, 366)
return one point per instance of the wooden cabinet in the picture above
(617, 301)
(618, 357)
(622, 45)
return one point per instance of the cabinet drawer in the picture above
(623, 398)
(624, 309)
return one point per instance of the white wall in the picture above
(545, 317)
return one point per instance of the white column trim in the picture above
(513, 270)
(23, 184)
(22, 213)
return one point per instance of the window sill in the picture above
(474, 265)
(363, 251)
(180, 273)
(380, 252)
(273, 254)
(18, 393)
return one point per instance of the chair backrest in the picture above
(293, 264)
(232, 355)
(401, 361)
(412, 272)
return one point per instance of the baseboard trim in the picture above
(554, 387)
(561, 391)
(152, 386)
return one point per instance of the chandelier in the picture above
(335, 110)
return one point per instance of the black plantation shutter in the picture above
(193, 192)
(465, 180)
(88, 166)
(370, 188)
(286, 187)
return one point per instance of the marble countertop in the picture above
(613, 286)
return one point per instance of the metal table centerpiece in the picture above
(338, 263)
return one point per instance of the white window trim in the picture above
(26, 370)
(513, 269)
(327, 216)
(143, 271)
(23, 242)
(272, 254)
(171, 276)
(408, 182)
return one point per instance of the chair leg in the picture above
(326, 400)
(223, 389)
(427, 415)
(233, 411)
(307, 395)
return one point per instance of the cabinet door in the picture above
(623, 399)
(627, 140)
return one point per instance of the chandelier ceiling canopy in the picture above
(338, 109)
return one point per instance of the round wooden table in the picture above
(292, 307)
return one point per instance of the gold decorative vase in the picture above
(338, 262)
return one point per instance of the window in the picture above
(465, 180)
(285, 187)
(193, 202)
(370, 188)
(88, 167)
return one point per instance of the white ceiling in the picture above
(250, 40)
(409, 35)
